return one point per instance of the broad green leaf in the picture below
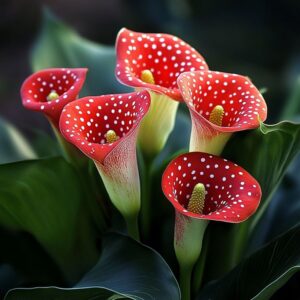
(60, 46)
(13, 146)
(45, 225)
(126, 270)
(262, 274)
(283, 211)
(266, 153)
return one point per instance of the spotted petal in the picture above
(243, 106)
(86, 123)
(232, 194)
(65, 83)
(166, 56)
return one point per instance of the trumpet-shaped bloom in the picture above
(204, 187)
(154, 62)
(231, 194)
(49, 90)
(105, 129)
(220, 104)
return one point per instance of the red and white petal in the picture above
(244, 106)
(86, 121)
(67, 83)
(166, 56)
(233, 195)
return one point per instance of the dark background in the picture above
(260, 39)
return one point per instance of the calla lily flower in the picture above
(220, 104)
(48, 91)
(204, 187)
(105, 129)
(153, 62)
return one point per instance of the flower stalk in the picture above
(188, 237)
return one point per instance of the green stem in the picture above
(146, 212)
(234, 239)
(200, 265)
(240, 238)
(185, 281)
(188, 238)
(132, 227)
(70, 152)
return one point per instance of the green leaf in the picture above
(266, 153)
(126, 269)
(13, 146)
(262, 274)
(60, 46)
(44, 221)
(283, 212)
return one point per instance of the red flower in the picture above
(105, 129)
(204, 187)
(231, 194)
(49, 90)
(153, 62)
(220, 104)
(164, 55)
